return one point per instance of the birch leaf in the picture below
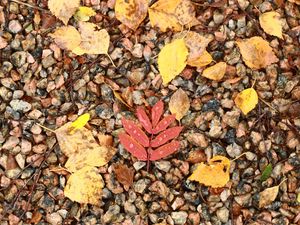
(267, 196)
(66, 37)
(84, 13)
(172, 60)
(215, 72)
(179, 104)
(270, 22)
(246, 100)
(63, 9)
(80, 122)
(203, 60)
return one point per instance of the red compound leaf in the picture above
(163, 124)
(135, 132)
(144, 119)
(133, 147)
(164, 150)
(166, 136)
(156, 112)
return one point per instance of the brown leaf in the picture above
(124, 175)
(267, 196)
(215, 72)
(179, 103)
(36, 217)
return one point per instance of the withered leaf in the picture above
(124, 175)
(179, 103)
(63, 9)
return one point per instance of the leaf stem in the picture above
(238, 156)
(46, 128)
(110, 59)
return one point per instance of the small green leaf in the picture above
(266, 173)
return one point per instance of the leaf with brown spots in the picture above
(124, 175)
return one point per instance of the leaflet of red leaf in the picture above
(163, 124)
(135, 132)
(144, 119)
(156, 112)
(165, 136)
(133, 147)
(164, 150)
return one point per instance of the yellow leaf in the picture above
(270, 22)
(119, 97)
(84, 13)
(215, 72)
(85, 186)
(93, 40)
(246, 100)
(267, 196)
(216, 174)
(66, 37)
(131, 12)
(172, 60)
(179, 104)
(63, 9)
(203, 60)
(256, 52)
(82, 148)
(161, 15)
(80, 122)
(186, 14)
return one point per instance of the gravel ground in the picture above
(42, 84)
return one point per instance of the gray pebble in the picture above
(141, 185)
(48, 61)
(20, 105)
(179, 217)
(223, 214)
(18, 59)
(163, 165)
(14, 26)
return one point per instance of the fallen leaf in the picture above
(179, 104)
(246, 100)
(124, 175)
(93, 40)
(63, 9)
(203, 60)
(66, 37)
(36, 217)
(215, 72)
(80, 122)
(267, 196)
(270, 22)
(172, 60)
(266, 173)
(256, 52)
(185, 13)
(119, 97)
(82, 148)
(216, 174)
(85, 186)
(84, 13)
(131, 12)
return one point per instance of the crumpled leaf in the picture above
(267, 196)
(85, 186)
(179, 104)
(216, 174)
(80, 122)
(270, 22)
(131, 12)
(256, 52)
(66, 37)
(172, 60)
(266, 173)
(82, 148)
(63, 9)
(84, 13)
(246, 100)
(93, 40)
(215, 72)
(203, 60)
(124, 175)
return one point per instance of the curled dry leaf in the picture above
(256, 52)
(246, 100)
(215, 72)
(172, 60)
(131, 12)
(267, 196)
(85, 186)
(93, 40)
(179, 104)
(124, 175)
(84, 13)
(216, 174)
(63, 9)
(203, 60)
(66, 37)
(270, 22)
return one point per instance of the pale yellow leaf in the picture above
(179, 104)
(270, 22)
(267, 196)
(80, 122)
(172, 60)
(84, 13)
(66, 37)
(131, 12)
(215, 72)
(256, 52)
(186, 14)
(93, 40)
(246, 100)
(85, 186)
(63, 9)
(216, 174)
(204, 59)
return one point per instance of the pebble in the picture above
(14, 26)
(138, 50)
(54, 218)
(234, 150)
(231, 118)
(10, 143)
(160, 189)
(179, 217)
(243, 4)
(141, 185)
(197, 139)
(18, 59)
(8, 83)
(223, 214)
(20, 159)
(48, 61)
(129, 208)
(243, 200)
(25, 146)
(112, 214)
(20, 105)
(138, 165)
(178, 202)
(163, 165)
(104, 111)
(215, 129)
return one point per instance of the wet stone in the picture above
(112, 214)
(211, 105)
(163, 165)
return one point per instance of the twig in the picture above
(31, 6)
(46, 128)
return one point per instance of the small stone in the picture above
(25, 146)
(223, 214)
(138, 50)
(3, 43)
(20, 159)
(48, 61)
(141, 185)
(198, 139)
(14, 26)
(234, 150)
(179, 217)
(129, 208)
(136, 76)
(160, 188)
(139, 165)
(112, 214)
(13, 173)
(218, 17)
(39, 149)
(20, 105)
(10, 143)
(18, 94)
(18, 59)
(36, 129)
(215, 129)
(54, 218)
(194, 218)
(178, 202)
(243, 4)
(163, 165)
(243, 200)
(137, 97)
(231, 118)
(104, 111)
(8, 83)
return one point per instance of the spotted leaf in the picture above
(133, 147)
(163, 124)
(166, 136)
(144, 119)
(156, 112)
(135, 132)
(164, 150)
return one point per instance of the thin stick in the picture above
(238, 156)
(31, 6)
(282, 181)
(46, 128)
(111, 60)
(268, 104)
